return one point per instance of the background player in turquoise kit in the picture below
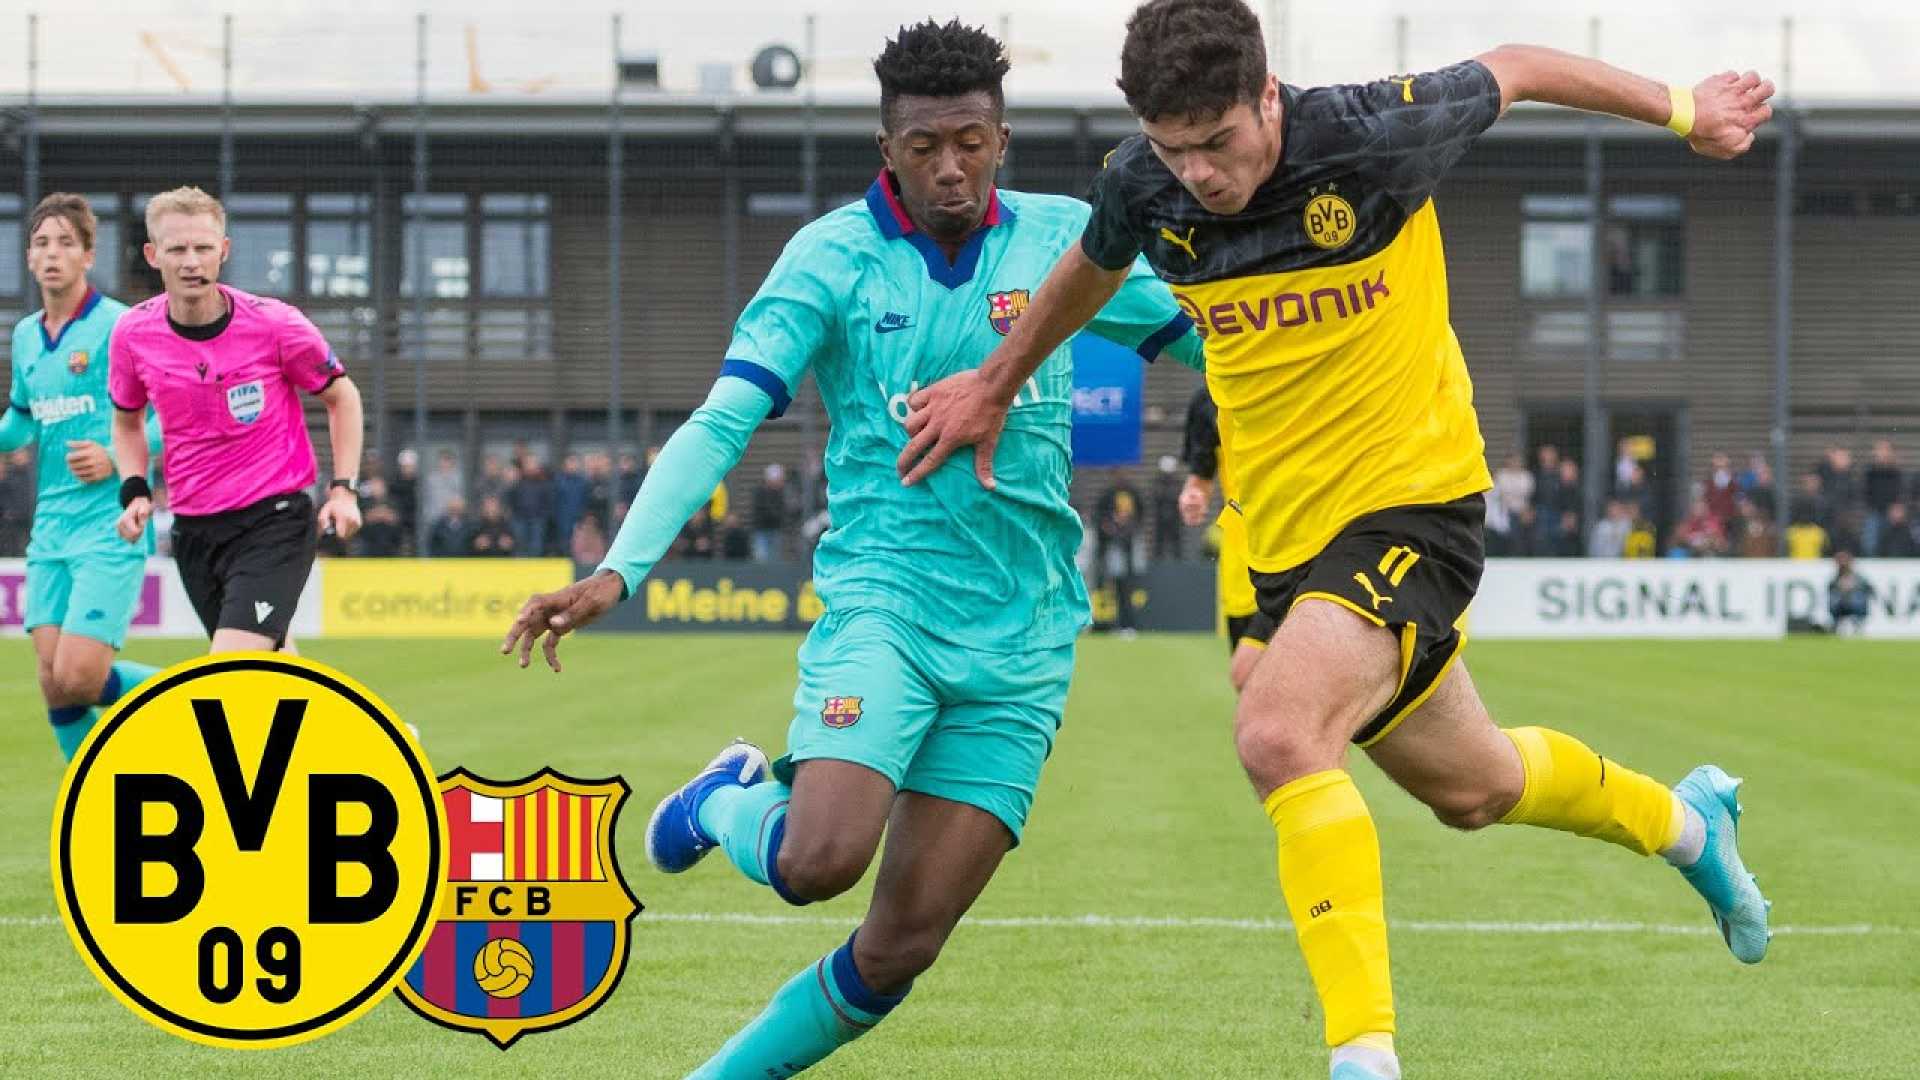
(83, 582)
(930, 691)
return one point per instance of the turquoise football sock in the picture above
(70, 726)
(749, 823)
(122, 678)
(826, 1006)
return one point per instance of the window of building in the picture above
(441, 221)
(513, 334)
(13, 245)
(110, 254)
(261, 229)
(1644, 238)
(339, 245)
(515, 234)
(445, 338)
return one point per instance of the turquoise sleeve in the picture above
(155, 443)
(17, 429)
(791, 320)
(1144, 316)
(682, 479)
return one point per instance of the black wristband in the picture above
(134, 487)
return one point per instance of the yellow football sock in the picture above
(1330, 875)
(1571, 788)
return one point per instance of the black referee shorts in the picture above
(1411, 569)
(243, 569)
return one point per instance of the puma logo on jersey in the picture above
(261, 609)
(1184, 244)
(1367, 584)
(1406, 87)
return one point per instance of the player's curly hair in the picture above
(932, 60)
(1195, 58)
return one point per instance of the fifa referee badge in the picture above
(249, 851)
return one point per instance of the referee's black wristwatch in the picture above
(350, 483)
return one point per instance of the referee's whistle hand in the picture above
(1728, 108)
(340, 514)
(133, 520)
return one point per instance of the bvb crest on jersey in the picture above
(1004, 307)
(534, 917)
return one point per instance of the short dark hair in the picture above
(1195, 58)
(69, 207)
(931, 60)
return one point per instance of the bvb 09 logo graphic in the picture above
(249, 850)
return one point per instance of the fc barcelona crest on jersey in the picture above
(77, 361)
(534, 917)
(1004, 307)
(840, 712)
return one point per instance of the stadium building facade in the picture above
(511, 251)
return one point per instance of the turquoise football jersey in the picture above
(61, 382)
(874, 310)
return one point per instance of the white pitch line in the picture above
(1175, 922)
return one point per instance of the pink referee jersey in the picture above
(229, 406)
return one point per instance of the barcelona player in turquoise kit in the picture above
(930, 691)
(83, 583)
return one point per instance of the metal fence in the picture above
(563, 270)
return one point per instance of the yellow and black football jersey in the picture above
(1323, 303)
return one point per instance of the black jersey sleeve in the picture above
(1410, 129)
(1202, 443)
(1114, 233)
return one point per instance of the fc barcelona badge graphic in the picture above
(77, 361)
(534, 918)
(1004, 307)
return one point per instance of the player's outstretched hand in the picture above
(133, 520)
(548, 617)
(957, 411)
(1727, 108)
(340, 514)
(1196, 498)
(88, 461)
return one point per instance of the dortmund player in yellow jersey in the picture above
(1210, 468)
(1298, 229)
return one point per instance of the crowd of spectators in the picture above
(517, 504)
(1731, 511)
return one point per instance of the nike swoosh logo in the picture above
(883, 328)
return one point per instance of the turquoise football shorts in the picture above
(93, 596)
(931, 716)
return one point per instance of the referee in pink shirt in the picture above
(223, 370)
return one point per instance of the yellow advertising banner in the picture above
(431, 597)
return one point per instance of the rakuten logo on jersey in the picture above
(898, 408)
(54, 410)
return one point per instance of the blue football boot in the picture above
(1719, 876)
(675, 840)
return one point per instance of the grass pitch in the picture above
(1139, 931)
